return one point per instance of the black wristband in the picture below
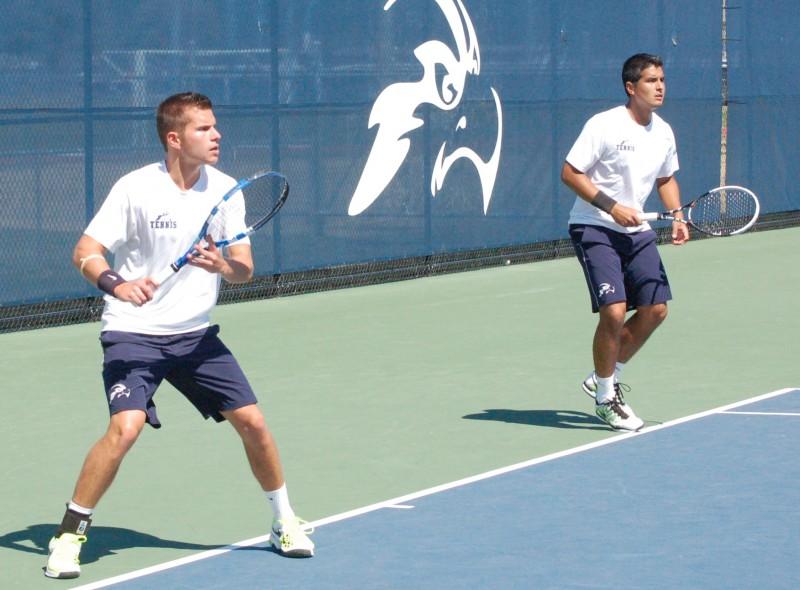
(108, 280)
(603, 202)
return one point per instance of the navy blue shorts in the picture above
(620, 267)
(197, 364)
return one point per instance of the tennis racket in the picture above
(722, 211)
(249, 205)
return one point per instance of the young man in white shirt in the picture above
(612, 167)
(150, 333)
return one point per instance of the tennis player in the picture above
(150, 334)
(618, 157)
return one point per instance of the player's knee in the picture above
(659, 312)
(248, 421)
(612, 316)
(125, 438)
(653, 315)
(124, 431)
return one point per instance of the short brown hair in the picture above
(171, 112)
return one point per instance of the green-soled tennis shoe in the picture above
(290, 537)
(63, 561)
(589, 386)
(617, 415)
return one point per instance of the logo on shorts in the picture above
(606, 289)
(118, 390)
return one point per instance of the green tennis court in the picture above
(380, 391)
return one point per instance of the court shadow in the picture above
(104, 541)
(549, 418)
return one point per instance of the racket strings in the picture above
(248, 208)
(228, 220)
(724, 211)
(262, 196)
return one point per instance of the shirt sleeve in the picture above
(111, 224)
(588, 148)
(670, 165)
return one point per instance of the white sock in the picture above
(605, 389)
(279, 500)
(618, 371)
(79, 509)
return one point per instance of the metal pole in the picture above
(88, 115)
(723, 145)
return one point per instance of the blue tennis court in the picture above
(708, 501)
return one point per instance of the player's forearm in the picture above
(237, 271)
(669, 193)
(587, 190)
(578, 182)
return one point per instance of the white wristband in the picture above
(88, 258)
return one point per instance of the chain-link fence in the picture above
(415, 133)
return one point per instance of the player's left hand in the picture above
(680, 233)
(208, 256)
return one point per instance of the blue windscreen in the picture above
(405, 127)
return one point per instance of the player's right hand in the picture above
(137, 292)
(625, 216)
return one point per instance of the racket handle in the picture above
(650, 216)
(164, 274)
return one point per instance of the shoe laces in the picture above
(617, 405)
(293, 526)
(618, 389)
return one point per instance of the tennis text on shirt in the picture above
(147, 222)
(623, 159)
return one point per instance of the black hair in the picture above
(635, 64)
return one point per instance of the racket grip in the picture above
(649, 216)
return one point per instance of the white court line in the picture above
(401, 501)
(764, 413)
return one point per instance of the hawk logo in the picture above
(118, 390)
(606, 289)
(163, 222)
(443, 82)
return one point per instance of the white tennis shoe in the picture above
(613, 413)
(616, 413)
(63, 561)
(290, 537)
(589, 385)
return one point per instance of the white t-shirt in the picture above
(623, 159)
(147, 222)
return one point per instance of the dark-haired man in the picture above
(619, 156)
